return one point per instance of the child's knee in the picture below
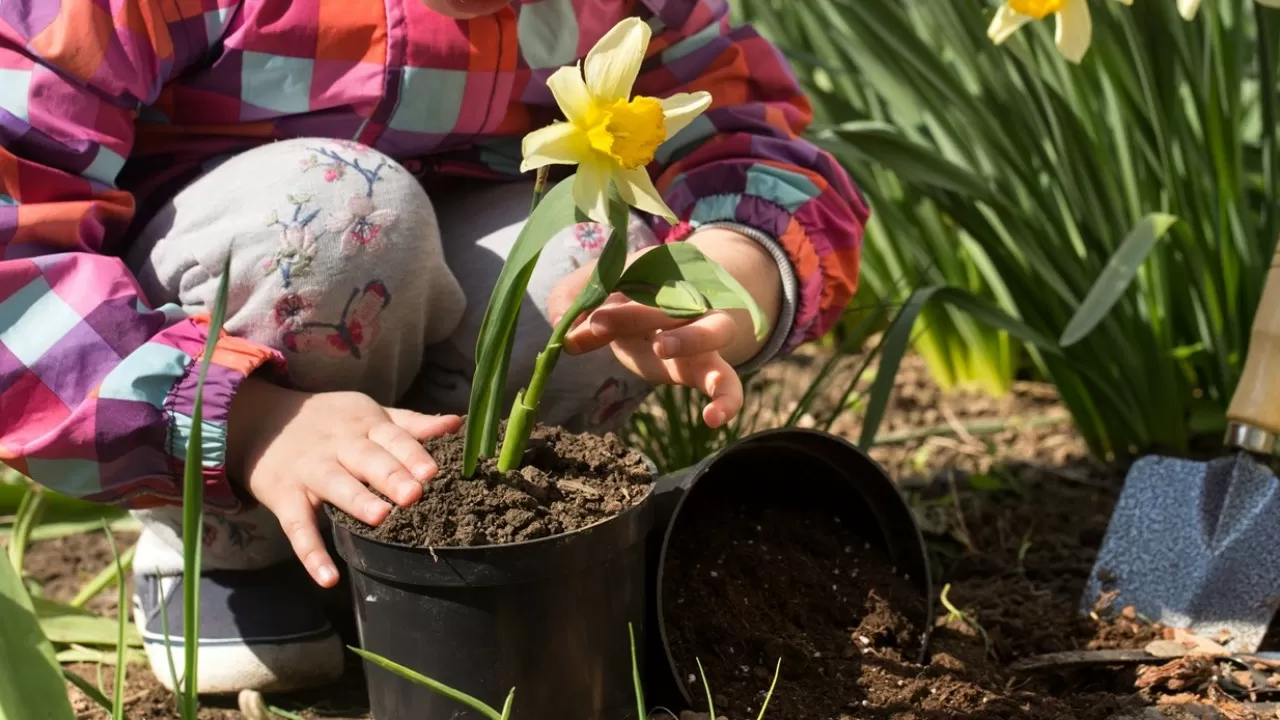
(335, 252)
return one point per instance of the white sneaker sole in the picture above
(229, 667)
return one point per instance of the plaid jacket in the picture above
(104, 104)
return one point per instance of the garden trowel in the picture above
(1196, 545)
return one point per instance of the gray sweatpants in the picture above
(341, 261)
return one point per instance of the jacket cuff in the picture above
(781, 333)
(234, 359)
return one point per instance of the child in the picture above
(359, 162)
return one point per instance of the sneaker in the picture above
(263, 630)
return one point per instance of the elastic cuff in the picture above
(233, 360)
(790, 293)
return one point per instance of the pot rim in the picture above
(434, 551)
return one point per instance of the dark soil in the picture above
(569, 481)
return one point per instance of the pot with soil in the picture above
(524, 579)
(790, 545)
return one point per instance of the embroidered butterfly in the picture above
(353, 334)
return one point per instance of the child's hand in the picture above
(699, 353)
(294, 450)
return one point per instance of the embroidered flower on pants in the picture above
(361, 226)
(294, 254)
(589, 236)
(290, 310)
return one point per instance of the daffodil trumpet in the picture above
(613, 138)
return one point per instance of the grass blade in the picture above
(635, 674)
(1116, 276)
(445, 690)
(193, 508)
(711, 703)
(108, 575)
(122, 622)
(777, 670)
(29, 512)
(93, 693)
(31, 683)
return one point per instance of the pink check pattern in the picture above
(106, 105)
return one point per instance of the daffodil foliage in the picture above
(612, 137)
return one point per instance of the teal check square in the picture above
(548, 32)
(276, 82)
(430, 100)
(15, 88)
(69, 476)
(33, 319)
(213, 440)
(146, 375)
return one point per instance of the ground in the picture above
(1012, 510)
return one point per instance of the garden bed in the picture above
(1013, 517)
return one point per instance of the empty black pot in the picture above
(817, 466)
(547, 617)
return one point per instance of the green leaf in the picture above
(122, 625)
(31, 684)
(29, 513)
(677, 298)
(665, 265)
(553, 214)
(423, 680)
(898, 337)
(635, 674)
(1116, 276)
(886, 146)
(75, 629)
(107, 576)
(612, 261)
(91, 691)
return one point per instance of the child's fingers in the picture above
(297, 518)
(374, 465)
(423, 426)
(709, 333)
(631, 319)
(716, 379)
(338, 487)
(410, 453)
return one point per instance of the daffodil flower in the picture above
(608, 134)
(1074, 29)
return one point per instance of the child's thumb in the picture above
(567, 290)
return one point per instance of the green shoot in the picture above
(108, 575)
(777, 670)
(711, 704)
(635, 675)
(90, 690)
(29, 512)
(193, 509)
(955, 614)
(456, 695)
(178, 687)
(122, 622)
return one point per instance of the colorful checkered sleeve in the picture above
(96, 388)
(744, 161)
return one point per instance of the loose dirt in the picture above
(569, 481)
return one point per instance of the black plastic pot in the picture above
(547, 617)
(809, 464)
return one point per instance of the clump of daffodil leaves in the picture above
(1074, 30)
(611, 137)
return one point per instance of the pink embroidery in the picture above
(361, 226)
(332, 173)
(290, 309)
(353, 334)
(588, 236)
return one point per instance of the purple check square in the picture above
(76, 364)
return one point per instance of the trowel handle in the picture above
(1253, 418)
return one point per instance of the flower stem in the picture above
(523, 412)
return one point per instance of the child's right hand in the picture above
(294, 450)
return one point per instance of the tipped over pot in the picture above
(806, 474)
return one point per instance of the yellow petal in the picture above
(1188, 8)
(570, 92)
(680, 110)
(637, 190)
(1074, 31)
(1126, 2)
(559, 143)
(591, 188)
(613, 64)
(1006, 22)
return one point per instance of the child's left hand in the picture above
(701, 352)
